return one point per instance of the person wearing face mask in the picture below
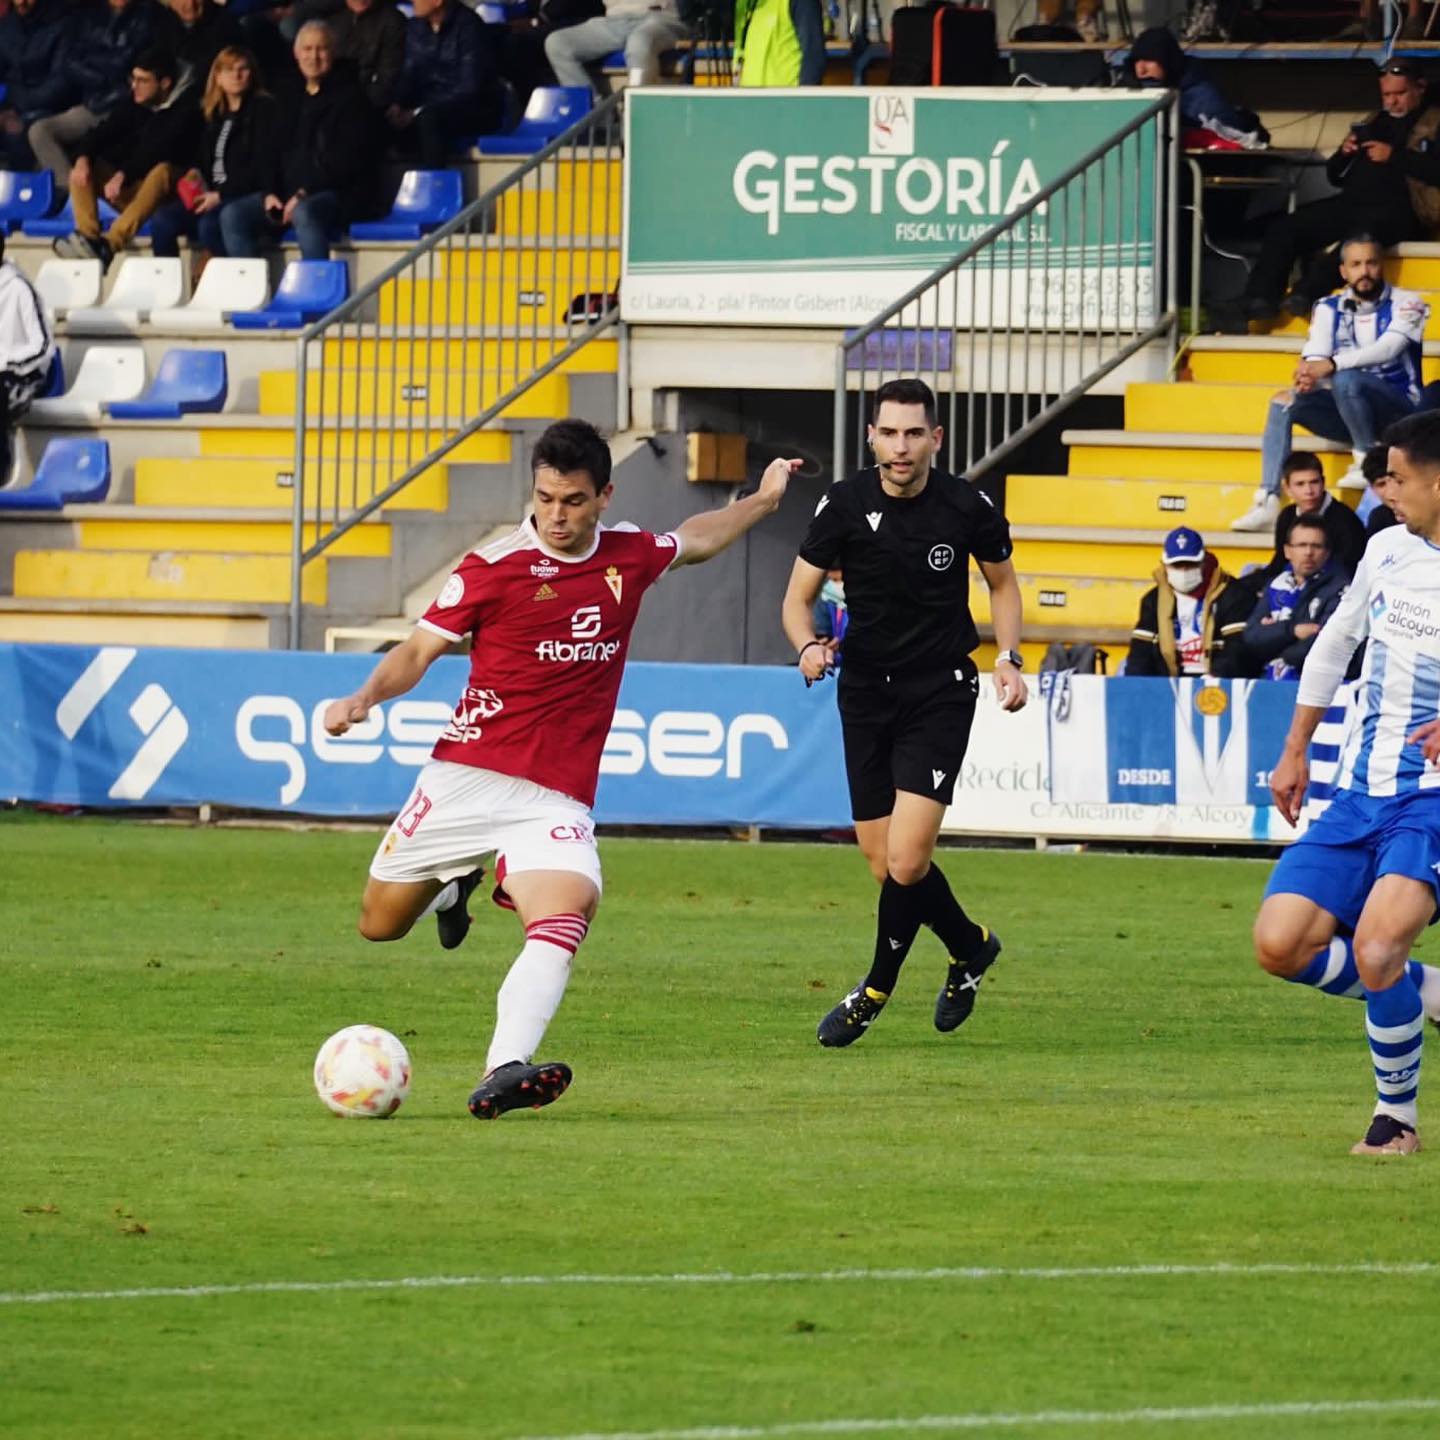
(1359, 371)
(1190, 618)
(1294, 606)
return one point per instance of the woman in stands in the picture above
(221, 202)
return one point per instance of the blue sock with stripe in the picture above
(1395, 1025)
(1332, 970)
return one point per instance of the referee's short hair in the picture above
(569, 446)
(907, 392)
(1418, 435)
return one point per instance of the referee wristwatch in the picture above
(1011, 657)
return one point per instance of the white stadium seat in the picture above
(69, 284)
(143, 284)
(224, 287)
(107, 372)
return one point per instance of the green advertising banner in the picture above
(823, 206)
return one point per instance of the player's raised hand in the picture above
(340, 715)
(1289, 781)
(776, 478)
(1427, 737)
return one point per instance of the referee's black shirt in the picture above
(907, 567)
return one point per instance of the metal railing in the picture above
(1035, 311)
(451, 335)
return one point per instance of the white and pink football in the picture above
(363, 1072)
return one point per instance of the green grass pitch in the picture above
(1130, 1092)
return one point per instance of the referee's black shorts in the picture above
(905, 732)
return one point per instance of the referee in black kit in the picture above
(903, 533)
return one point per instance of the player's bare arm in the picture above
(1427, 737)
(703, 536)
(797, 612)
(1006, 606)
(398, 672)
(1290, 778)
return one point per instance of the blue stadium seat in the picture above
(24, 195)
(55, 381)
(62, 222)
(552, 109)
(308, 290)
(427, 198)
(71, 472)
(188, 382)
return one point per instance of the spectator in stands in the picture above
(27, 351)
(34, 44)
(1157, 61)
(779, 43)
(1190, 618)
(370, 36)
(1293, 606)
(449, 87)
(1381, 515)
(107, 40)
(134, 157)
(644, 31)
(221, 204)
(1387, 171)
(1359, 370)
(327, 168)
(831, 614)
(1304, 482)
(203, 30)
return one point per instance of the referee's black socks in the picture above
(941, 911)
(897, 922)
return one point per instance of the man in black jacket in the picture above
(449, 88)
(1303, 480)
(107, 40)
(1191, 618)
(369, 38)
(1373, 171)
(34, 43)
(328, 166)
(1294, 606)
(134, 159)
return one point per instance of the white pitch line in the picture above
(1053, 1419)
(1221, 1269)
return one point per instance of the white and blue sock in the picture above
(1332, 970)
(1395, 1024)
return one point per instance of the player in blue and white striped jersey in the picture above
(1350, 897)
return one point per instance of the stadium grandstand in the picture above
(184, 376)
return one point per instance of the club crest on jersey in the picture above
(546, 592)
(616, 581)
(544, 569)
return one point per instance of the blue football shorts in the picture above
(1355, 841)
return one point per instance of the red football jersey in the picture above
(551, 632)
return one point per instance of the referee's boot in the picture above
(851, 1018)
(453, 922)
(513, 1086)
(962, 984)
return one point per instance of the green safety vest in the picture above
(767, 49)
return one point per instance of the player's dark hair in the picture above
(907, 392)
(1301, 462)
(157, 62)
(570, 446)
(1307, 522)
(1376, 463)
(1361, 237)
(1418, 436)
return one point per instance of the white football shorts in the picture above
(458, 814)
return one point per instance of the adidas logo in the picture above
(545, 593)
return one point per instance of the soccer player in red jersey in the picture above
(551, 607)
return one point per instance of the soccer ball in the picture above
(363, 1071)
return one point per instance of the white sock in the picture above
(534, 988)
(448, 895)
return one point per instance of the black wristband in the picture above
(805, 647)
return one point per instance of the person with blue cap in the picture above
(1192, 617)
